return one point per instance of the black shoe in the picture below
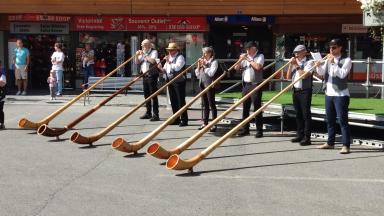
(183, 124)
(296, 139)
(146, 116)
(176, 122)
(2, 127)
(155, 118)
(243, 133)
(213, 129)
(259, 134)
(305, 142)
(202, 126)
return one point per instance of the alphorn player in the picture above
(146, 58)
(335, 71)
(302, 94)
(205, 72)
(252, 74)
(174, 64)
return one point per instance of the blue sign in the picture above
(240, 19)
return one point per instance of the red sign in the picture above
(140, 23)
(38, 18)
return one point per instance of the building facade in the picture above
(115, 29)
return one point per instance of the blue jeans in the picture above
(59, 76)
(88, 71)
(337, 107)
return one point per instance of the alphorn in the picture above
(121, 145)
(56, 132)
(25, 123)
(176, 163)
(158, 151)
(80, 139)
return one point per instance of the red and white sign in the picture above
(38, 18)
(140, 23)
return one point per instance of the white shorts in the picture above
(20, 72)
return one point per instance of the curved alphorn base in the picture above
(176, 163)
(159, 152)
(26, 124)
(51, 132)
(121, 145)
(79, 139)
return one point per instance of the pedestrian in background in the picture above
(88, 59)
(57, 60)
(21, 61)
(3, 82)
(52, 81)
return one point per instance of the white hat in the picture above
(145, 41)
(299, 48)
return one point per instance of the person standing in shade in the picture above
(251, 67)
(205, 71)
(3, 82)
(88, 59)
(302, 94)
(335, 71)
(57, 60)
(21, 60)
(174, 64)
(146, 58)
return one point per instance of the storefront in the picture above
(115, 38)
(39, 33)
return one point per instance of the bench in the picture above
(113, 84)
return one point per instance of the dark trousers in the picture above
(256, 101)
(337, 107)
(88, 71)
(177, 97)
(150, 87)
(208, 100)
(1, 112)
(302, 103)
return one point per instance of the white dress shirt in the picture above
(210, 71)
(335, 71)
(249, 72)
(306, 67)
(144, 67)
(170, 66)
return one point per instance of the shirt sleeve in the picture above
(154, 54)
(180, 62)
(3, 78)
(212, 69)
(321, 70)
(260, 59)
(342, 71)
(309, 66)
(197, 72)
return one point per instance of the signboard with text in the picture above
(240, 19)
(354, 28)
(38, 28)
(139, 23)
(38, 18)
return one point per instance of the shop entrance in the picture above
(41, 47)
(228, 40)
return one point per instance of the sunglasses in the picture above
(333, 47)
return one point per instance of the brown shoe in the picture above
(326, 146)
(345, 150)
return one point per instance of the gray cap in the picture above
(299, 48)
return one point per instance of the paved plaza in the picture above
(244, 176)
